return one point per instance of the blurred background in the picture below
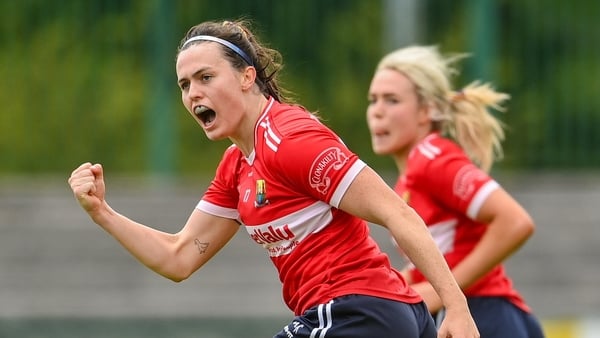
(95, 81)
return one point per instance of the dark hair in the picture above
(267, 61)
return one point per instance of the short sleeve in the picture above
(454, 181)
(315, 161)
(221, 196)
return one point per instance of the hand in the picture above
(458, 324)
(87, 183)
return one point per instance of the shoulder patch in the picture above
(330, 159)
(465, 181)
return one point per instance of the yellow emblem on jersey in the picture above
(406, 196)
(261, 194)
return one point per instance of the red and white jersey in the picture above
(447, 190)
(286, 194)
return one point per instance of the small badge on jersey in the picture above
(261, 194)
(406, 196)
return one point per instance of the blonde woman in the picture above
(444, 143)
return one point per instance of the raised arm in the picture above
(370, 198)
(175, 256)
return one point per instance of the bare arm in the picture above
(175, 256)
(509, 228)
(370, 198)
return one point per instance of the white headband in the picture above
(225, 43)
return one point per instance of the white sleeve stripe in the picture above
(480, 197)
(270, 144)
(336, 198)
(216, 210)
(430, 147)
(426, 152)
(272, 134)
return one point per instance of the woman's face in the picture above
(395, 116)
(211, 89)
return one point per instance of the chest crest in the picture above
(406, 196)
(261, 194)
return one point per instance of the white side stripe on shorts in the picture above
(324, 325)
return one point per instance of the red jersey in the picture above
(447, 190)
(286, 194)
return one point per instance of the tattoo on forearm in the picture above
(202, 246)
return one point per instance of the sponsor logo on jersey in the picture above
(261, 194)
(272, 234)
(321, 170)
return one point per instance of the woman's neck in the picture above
(244, 140)
(401, 156)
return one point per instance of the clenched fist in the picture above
(87, 183)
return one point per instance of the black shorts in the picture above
(358, 316)
(496, 317)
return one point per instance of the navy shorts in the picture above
(358, 316)
(496, 317)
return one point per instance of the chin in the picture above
(380, 151)
(213, 136)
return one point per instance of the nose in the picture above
(374, 110)
(192, 96)
(194, 91)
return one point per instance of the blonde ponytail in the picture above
(473, 126)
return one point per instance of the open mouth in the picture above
(379, 132)
(205, 114)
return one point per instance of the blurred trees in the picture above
(83, 80)
(546, 59)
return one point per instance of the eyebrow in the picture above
(385, 94)
(199, 71)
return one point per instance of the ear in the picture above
(426, 110)
(248, 77)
